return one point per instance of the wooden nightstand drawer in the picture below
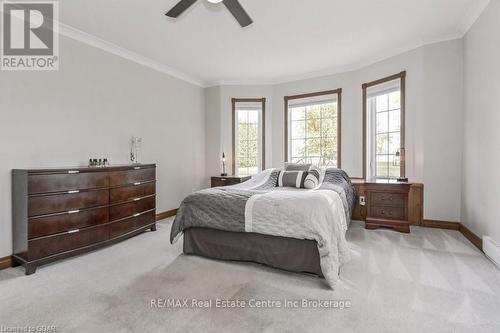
(224, 182)
(228, 181)
(387, 199)
(387, 205)
(392, 213)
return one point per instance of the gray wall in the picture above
(433, 127)
(481, 138)
(219, 118)
(90, 108)
(213, 145)
(96, 101)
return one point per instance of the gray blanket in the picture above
(223, 208)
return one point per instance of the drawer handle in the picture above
(73, 191)
(223, 179)
(137, 214)
(383, 212)
(71, 172)
(73, 231)
(73, 211)
(138, 183)
(137, 168)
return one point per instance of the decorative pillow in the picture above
(297, 167)
(312, 179)
(292, 179)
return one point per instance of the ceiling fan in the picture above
(233, 6)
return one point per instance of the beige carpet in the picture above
(431, 280)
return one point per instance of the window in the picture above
(313, 128)
(248, 136)
(383, 116)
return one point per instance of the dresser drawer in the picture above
(46, 246)
(44, 183)
(117, 178)
(127, 225)
(49, 225)
(57, 203)
(139, 205)
(387, 199)
(126, 193)
(385, 212)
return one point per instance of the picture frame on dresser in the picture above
(62, 212)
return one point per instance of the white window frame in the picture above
(370, 92)
(245, 104)
(305, 100)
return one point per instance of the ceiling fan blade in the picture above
(180, 8)
(238, 12)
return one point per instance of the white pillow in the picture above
(312, 179)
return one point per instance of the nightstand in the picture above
(228, 180)
(387, 205)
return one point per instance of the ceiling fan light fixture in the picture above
(233, 6)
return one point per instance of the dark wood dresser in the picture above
(228, 180)
(59, 213)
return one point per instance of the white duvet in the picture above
(303, 214)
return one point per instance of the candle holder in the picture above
(224, 173)
(401, 154)
(135, 149)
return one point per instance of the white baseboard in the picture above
(492, 250)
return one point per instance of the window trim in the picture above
(401, 76)
(233, 126)
(337, 92)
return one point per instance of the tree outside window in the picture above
(313, 130)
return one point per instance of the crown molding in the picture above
(471, 17)
(68, 31)
(73, 33)
(104, 45)
(221, 83)
(338, 70)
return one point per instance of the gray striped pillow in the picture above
(297, 167)
(292, 179)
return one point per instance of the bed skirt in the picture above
(295, 255)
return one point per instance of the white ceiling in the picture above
(290, 39)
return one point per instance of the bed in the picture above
(295, 229)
